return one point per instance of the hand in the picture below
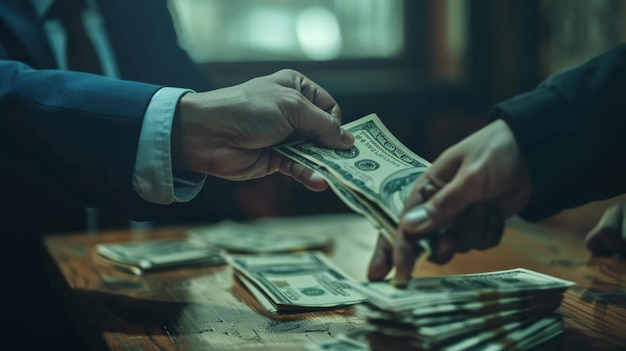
(608, 237)
(229, 132)
(469, 189)
(478, 227)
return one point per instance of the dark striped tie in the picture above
(81, 54)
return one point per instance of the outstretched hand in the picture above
(229, 132)
(469, 190)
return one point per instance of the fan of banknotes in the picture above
(373, 178)
(503, 310)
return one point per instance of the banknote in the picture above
(428, 291)
(141, 256)
(297, 281)
(502, 310)
(431, 336)
(519, 335)
(373, 178)
(448, 312)
(343, 344)
(512, 336)
(249, 238)
(408, 318)
(263, 299)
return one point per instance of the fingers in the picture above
(479, 227)
(381, 262)
(311, 91)
(445, 249)
(405, 252)
(426, 197)
(304, 175)
(442, 208)
(320, 116)
(608, 237)
(326, 129)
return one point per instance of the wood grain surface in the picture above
(206, 308)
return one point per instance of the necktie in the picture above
(81, 54)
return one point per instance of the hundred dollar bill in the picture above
(374, 177)
(527, 337)
(351, 198)
(298, 281)
(428, 291)
(138, 257)
(462, 309)
(516, 335)
(246, 238)
(258, 294)
(429, 336)
(409, 319)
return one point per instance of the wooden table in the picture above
(206, 309)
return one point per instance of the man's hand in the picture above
(608, 237)
(469, 190)
(229, 132)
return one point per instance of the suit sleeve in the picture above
(571, 132)
(74, 130)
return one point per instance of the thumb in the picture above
(440, 209)
(312, 121)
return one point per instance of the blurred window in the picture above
(289, 30)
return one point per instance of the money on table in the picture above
(138, 257)
(243, 237)
(295, 282)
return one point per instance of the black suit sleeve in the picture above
(571, 132)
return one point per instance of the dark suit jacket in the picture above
(572, 133)
(69, 139)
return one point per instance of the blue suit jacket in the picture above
(70, 138)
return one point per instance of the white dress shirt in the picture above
(153, 177)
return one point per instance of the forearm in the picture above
(81, 129)
(570, 132)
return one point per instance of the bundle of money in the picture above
(510, 336)
(138, 257)
(512, 309)
(239, 237)
(294, 282)
(373, 178)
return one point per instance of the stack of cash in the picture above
(502, 310)
(373, 178)
(138, 257)
(239, 237)
(304, 281)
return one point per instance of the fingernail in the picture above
(346, 138)
(316, 177)
(399, 282)
(415, 216)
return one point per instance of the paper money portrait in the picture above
(395, 190)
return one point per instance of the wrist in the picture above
(183, 108)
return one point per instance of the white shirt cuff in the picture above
(153, 178)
